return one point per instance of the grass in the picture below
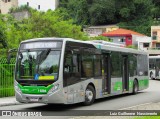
(148, 117)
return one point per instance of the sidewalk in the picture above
(6, 101)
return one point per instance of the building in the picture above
(144, 43)
(124, 36)
(155, 34)
(41, 5)
(93, 31)
(5, 5)
(155, 41)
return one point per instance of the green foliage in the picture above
(101, 38)
(19, 9)
(99, 13)
(132, 46)
(2, 32)
(136, 15)
(6, 76)
(147, 117)
(41, 24)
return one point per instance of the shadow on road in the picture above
(62, 107)
(156, 80)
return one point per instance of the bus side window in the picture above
(71, 68)
(87, 66)
(68, 62)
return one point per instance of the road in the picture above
(112, 103)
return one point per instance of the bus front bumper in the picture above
(56, 97)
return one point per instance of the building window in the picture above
(27, 3)
(154, 35)
(122, 40)
(39, 7)
(157, 45)
(129, 38)
(145, 45)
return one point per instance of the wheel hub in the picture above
(89, 95)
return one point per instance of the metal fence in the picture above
(6, 77)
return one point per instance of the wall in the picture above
(5, 6)
(44, 4)
(141, 40)
(117, 40)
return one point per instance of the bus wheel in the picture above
(135, 87)
(89, 95)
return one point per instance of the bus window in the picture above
(68, 62)
(87, 65)
(132, 65)
(116, 65)
(71, 68)
(142, 65)
(97, 66)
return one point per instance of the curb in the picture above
(10, 103)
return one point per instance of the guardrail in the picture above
(6, 77)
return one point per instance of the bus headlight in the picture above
(17, 89)
(55, 88)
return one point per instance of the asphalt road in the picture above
(112, 103)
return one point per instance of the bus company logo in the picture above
(6, 113)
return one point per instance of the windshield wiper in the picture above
(41, 57)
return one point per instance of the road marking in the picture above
(136, 106)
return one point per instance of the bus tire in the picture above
(89, 95)
(135, 87)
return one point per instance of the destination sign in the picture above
(35, 45)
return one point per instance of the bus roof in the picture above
(96, 44)
(154, 57)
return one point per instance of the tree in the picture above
(102, 11)
(42, 24)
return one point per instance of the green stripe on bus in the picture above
(131, 84)
(118, 86)
(35, 89)
(143, 83)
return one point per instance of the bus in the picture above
(67, 71)
(154, 65)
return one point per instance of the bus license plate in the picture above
(34, 99)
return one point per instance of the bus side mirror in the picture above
(9, 58)
(10, 55)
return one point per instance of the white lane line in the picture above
(136, 106)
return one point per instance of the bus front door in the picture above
(125, 72)
(106, 82)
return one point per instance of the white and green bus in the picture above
(67, 71)
(154, 67)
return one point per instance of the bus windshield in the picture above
(154, 63)
(38, 65)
